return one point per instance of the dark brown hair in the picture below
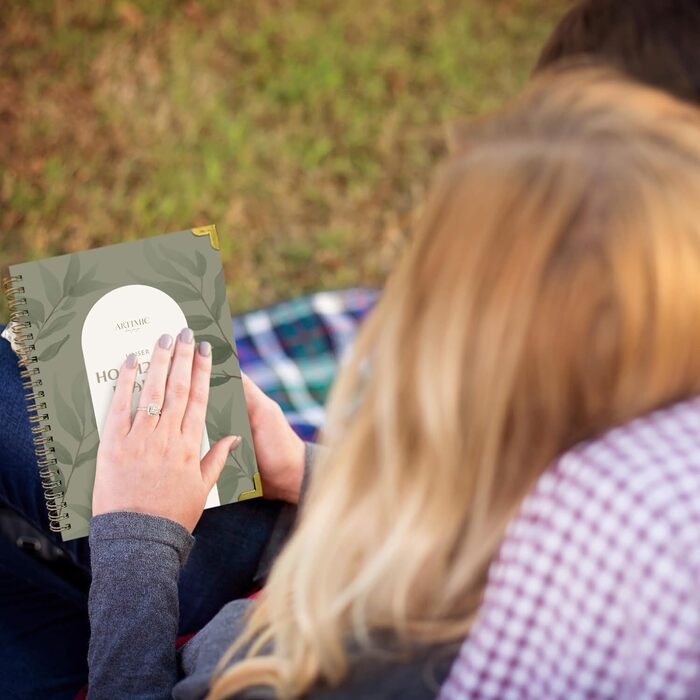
(657, 42)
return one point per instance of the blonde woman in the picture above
(550, 295)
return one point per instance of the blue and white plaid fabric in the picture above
(292, 350)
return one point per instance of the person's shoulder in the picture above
(414, 675)
(594, 587)
(622, 498)
(199, 657)
(642, 478)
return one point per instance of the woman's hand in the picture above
(279, 451)
(152, 465)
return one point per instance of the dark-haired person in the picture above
(656, 42)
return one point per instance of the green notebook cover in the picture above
(77, 316)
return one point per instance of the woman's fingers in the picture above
(214, 460)
(177, 388)
(255, 397)
(196, 410)
(118, 422)
(154, 386)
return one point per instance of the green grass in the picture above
(307, 131)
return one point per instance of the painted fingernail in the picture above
(236, 442)
(165, 341)
(186, 335)
(205, 348)
(131, 360)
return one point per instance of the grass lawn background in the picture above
(307, 131)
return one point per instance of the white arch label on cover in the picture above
(128, 319)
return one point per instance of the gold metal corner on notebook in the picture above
(208, 231)
(245, 495)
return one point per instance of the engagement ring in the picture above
(152, 409)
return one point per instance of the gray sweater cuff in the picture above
(133, 604)
(142, 527)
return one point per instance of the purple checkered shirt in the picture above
(595, 592)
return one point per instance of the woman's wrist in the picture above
(286, 485)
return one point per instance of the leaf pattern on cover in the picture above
(85, 286)
(179, 292)
(199, 323)
(51, 285)
(162, 260)
(201, 263)
(154, 256)
(86, 456)
(50, 352)
(36, 310)
(66, 416)
(72, 275)
(181, 259)
(62, 297)
(78, 422)
(235, 481)
(219, 379)
(58, 323)
(222, 418)
(79, 396)
(248, 456)
(62, 454)
(219, 295)
(220, 349)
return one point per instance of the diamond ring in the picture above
(152, 409)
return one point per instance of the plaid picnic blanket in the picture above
(292, 350)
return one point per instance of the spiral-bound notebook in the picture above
(75, 318)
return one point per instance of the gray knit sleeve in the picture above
(133, 604)
(134, 609)
(287, 518)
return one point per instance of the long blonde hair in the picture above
(551, 292)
